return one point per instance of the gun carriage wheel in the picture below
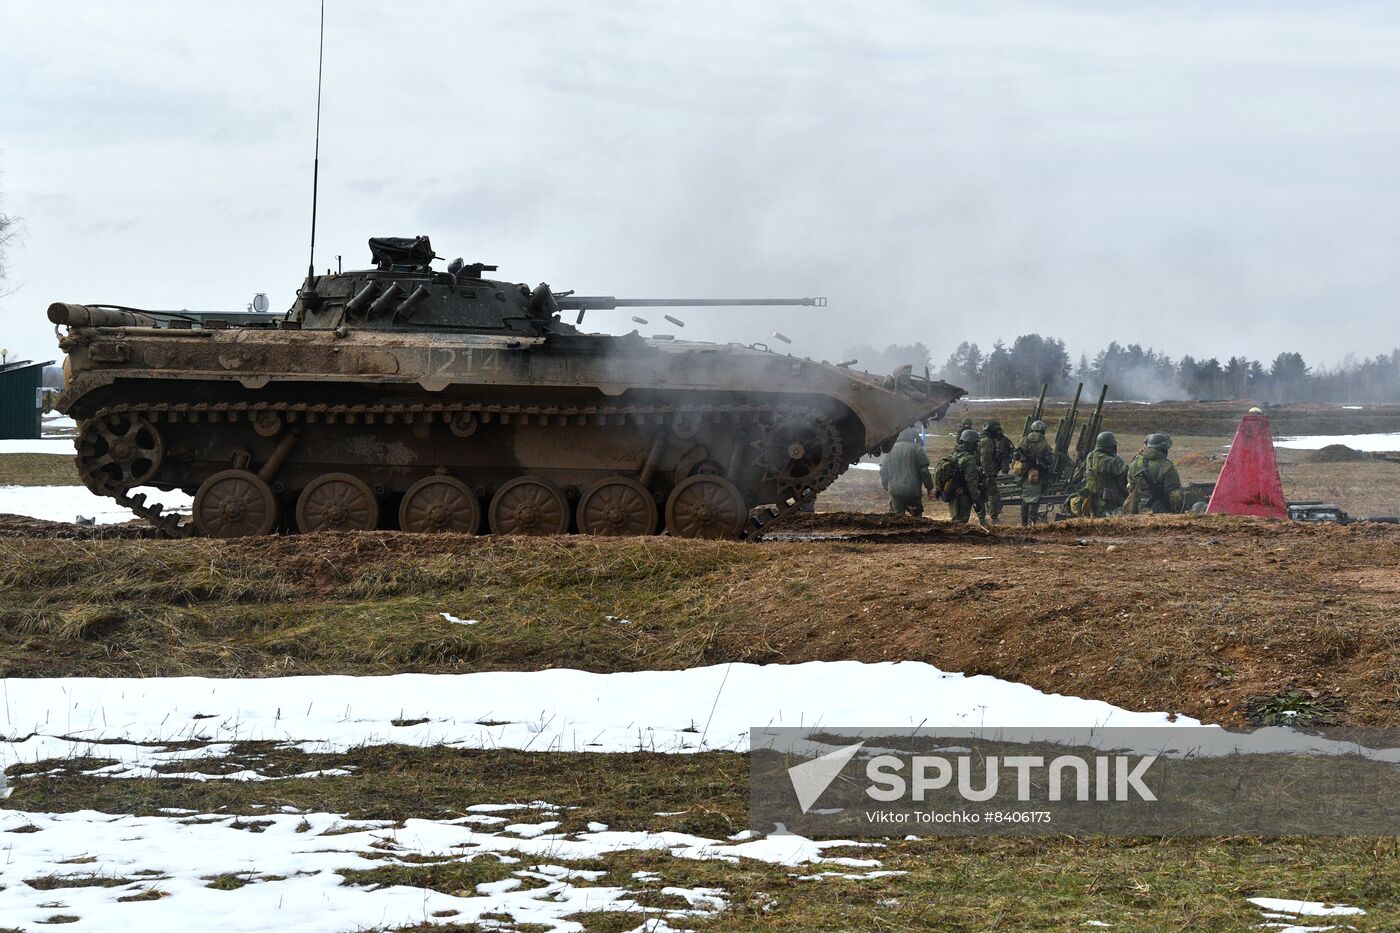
(337, 502)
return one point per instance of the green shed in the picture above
(20, 399)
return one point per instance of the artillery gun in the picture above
(1067, 472)
(403, 396)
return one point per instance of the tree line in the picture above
(1142, 373)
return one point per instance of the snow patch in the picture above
(47, 445)
(130, 719)
(1369, 443)
(66, 503)
(143, 725)
(456, 621)
(291, 872)
(1280, 913)
(1305, 908)
(55, 425)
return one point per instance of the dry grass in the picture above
(366, 604)
(38, 470)
(1196, 616)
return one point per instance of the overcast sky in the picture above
(1210, 178)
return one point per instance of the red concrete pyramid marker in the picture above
(1249, 483)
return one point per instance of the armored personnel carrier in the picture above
(440, 400)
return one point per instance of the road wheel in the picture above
(440, 503)
(234, 504)
(337, 502)
(529, 506)
(617, 505)
(705, 506)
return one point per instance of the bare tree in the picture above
(9, 230)
(7, 233)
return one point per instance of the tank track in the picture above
(761, 519)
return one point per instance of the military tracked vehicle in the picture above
(429, 400)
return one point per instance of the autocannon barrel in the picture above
(84, 316)
(608, 302)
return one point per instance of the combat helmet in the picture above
(1159, 442)
(993, 427)
(1038, 426)
(969, 437)
(1106, 440)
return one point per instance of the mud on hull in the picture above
(577, 462)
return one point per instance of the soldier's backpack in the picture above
(946, 473)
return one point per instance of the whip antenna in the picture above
(316, 160)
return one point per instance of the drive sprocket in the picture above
(800, 449)
(118, 450)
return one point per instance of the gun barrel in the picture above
(1089, 434)
(1065, 432)
(75, 315)
(608, 302)
(1035, 416)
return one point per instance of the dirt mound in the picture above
(22, 526)
(1199, 463)
(1337, 453)
(843, 521)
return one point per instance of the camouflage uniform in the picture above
(968, 489)
(1039, 458)
(994, 456)
(1153, 483)
(904, 474)
(1105, 483)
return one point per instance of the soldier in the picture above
(904, 473)
(994, 452)
(1153, 483)
(1105, 480)
(1037, 460)
(965, 487)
